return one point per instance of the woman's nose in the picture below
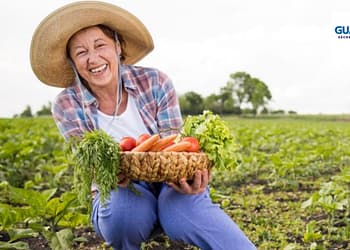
(93, 56)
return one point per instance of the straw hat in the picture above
(48, 48)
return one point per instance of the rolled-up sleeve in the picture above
(169, 115)
(68, 116)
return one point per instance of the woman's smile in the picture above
(99, 69)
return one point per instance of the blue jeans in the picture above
(128, 219)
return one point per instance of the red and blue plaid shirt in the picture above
(75, 108)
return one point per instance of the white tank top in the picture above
(129, 123)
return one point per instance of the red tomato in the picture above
(127, 143)
(142, 138)
(195, 147)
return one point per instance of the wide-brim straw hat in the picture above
(48, 48)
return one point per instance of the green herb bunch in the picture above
(97, 157)
(214, 138)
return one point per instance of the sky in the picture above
(290, 45)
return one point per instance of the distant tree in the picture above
(213, 103)
(45, 110)
(278, 112)
(184, 104)
(264, 111)
(260, 95)
(27, 112)
(250, 90)
(191, 103)
(227, 99)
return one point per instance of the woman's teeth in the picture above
(99, 69)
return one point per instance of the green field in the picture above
(291, 189)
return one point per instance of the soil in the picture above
(94, 242)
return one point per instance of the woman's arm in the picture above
(69, 116)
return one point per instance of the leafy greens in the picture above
(214, 138)
(97, 158)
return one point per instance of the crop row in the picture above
(290, 190)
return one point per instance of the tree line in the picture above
(242, 94)
(27, 112)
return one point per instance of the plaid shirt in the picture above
(75, 108)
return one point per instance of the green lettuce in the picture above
(214, 138)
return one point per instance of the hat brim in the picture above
(48, 47)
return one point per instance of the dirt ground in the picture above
(93, 242)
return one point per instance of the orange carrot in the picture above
(178, 147)
(167, 145)
(147, 144)
(163, 142)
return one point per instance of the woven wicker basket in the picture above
(162, 166)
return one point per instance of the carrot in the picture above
(147, 144)
(167, 145)
(178, 147)
(163, 142)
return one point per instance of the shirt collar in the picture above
(84, 94)
(126, 78)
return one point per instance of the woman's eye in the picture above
(100, 45)
(80, 53)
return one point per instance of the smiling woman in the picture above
(93, 54)
(104, 91)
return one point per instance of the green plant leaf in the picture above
(61, 240)
(97, 157)
(214, 138)
(20, 233)
(20, 245)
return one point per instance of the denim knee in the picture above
(126, 220)
(196, 220)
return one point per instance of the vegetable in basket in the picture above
(215, 138)
(96, 158)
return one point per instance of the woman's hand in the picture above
(122, 181)
(199, 184)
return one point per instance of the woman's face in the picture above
(94, 55)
